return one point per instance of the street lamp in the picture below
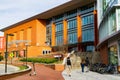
(26, 44)
(6, 53)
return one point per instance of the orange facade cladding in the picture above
(53, 34)
(65, 34)
(79, 28)
(65, 31)
(35, 31)
(41, 32)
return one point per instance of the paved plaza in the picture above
(78, 75)
(10, 69)
(44, 73)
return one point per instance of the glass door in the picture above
(113, 55)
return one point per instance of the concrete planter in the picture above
(57, 67)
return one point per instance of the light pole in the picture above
(26, 44)
(6, 53)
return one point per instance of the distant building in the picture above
(72, 25)
(2, 44)
(109, 31)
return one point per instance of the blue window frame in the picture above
(88, 34)
(59, 33)
(59, 40)
(72, 23)
(72, 31)
(72, 38)
(87, 20)
(90, 48)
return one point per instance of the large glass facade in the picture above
(86, 12)
(59, 33)
(107, 4)
(118, 18)
(88, 30)
(48, 32)
(108, 27)
(87, 20)
(72, 26)
(72, 31)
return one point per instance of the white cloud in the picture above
(13, 11)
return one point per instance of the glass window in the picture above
(72, 23)
(89, 19)
(72, 30)
(72, 38)
(59, 40)
(58, 18)
(113, 54)
(72, 13)
(88, 35)
(90, 48)
(59, 33)
(59, 27)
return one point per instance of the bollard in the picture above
(34, 72)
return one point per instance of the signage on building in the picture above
(2, 43)
(11, 54)
(22, 53)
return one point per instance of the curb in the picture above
(14, 74)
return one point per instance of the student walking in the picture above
(82, 65)
(68, 66)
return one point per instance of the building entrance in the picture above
(113, 55)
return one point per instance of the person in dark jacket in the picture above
(82, 64)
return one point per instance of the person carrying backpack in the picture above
(68, 65)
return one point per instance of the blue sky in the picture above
(13, 11)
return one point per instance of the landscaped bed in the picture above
(40, 60)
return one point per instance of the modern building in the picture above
(72, 25)
(109, 31)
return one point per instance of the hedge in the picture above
(40, 60)
(1, 58)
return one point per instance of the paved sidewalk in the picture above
(78, 75)
(42, 73)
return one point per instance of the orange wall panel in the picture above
(79, 28)
(65, 31)
(53, 34)
(41, 32)
(18, 35)
(21, 35)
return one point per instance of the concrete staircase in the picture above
(94, 57)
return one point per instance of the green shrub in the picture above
(23, 67)
(1, 58)
(40, 60)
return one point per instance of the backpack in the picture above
(68, 61)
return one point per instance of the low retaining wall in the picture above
(14, 74)
(57, 67)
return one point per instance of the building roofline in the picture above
(53, 12)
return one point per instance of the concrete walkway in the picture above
(42, 73)
(78, 75)
(45, 73)
(10, 69)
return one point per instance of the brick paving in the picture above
(42, 73)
